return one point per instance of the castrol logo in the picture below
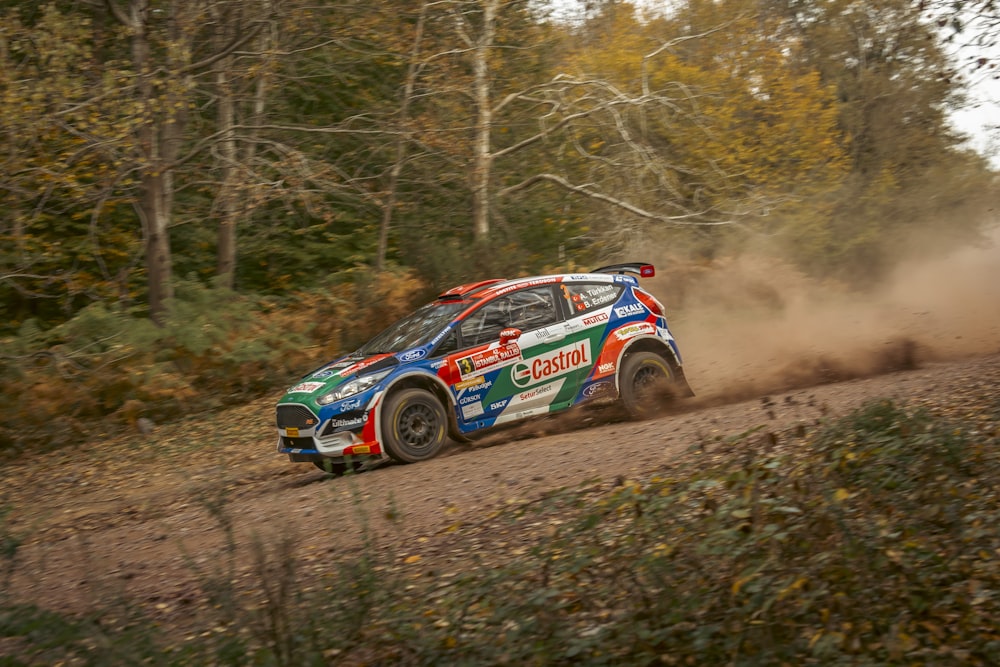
(556, 362)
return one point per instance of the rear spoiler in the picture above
(636, 268)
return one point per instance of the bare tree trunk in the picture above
(231, 200)
(483, 158)
(402, 139)
(156, 197)
(228, 191)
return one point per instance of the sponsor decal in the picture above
(413, 355)
(306, 387)
(472, 410)
(359, 449)
(510, 332)
(630, 310)
(350, 404)
(471, 382)
(531, 395)
(361, 365)
(595, 319)
(498, 405)
(477, 394)
(324, 374)
(528, 283)
(633, 330)
(622, 278)
(596, 389)
(494, 357)
(556, 362)
(438, 338)
(348, 423)
(606, 368)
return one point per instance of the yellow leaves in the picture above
(840, 495)
(663, 550)
(742, 581)
(409, 560)
(793, 587)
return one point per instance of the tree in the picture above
(63, 203)
(163, 42)
(893, 93)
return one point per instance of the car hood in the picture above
(328, 377)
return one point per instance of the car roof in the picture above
(485, 289)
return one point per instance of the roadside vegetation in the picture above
(868, 539)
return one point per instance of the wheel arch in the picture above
(659, 347)
(426, 381)
(430, 383)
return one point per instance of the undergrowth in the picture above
(871, 540)
(112, 367)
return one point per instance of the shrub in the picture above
(214, 348)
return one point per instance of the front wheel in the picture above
(414, 425)
(645, 384)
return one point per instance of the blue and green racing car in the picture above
(482, 355)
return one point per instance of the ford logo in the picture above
(413, 355)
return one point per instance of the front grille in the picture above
(296, 416)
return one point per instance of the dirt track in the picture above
(134, 519)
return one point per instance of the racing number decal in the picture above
(466, 366)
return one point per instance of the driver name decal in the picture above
(556, 362)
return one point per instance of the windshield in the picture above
(414, 330)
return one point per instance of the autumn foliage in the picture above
(155, 153)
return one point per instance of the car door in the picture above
(551, 359)
(481, 379)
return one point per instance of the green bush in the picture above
(215, 347)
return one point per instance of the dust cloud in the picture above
(749, 326)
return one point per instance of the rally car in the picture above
(482, 355)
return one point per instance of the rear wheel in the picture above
(414, 425)
(645, 384)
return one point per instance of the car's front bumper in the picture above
(304, 437)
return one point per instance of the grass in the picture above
(871, 539)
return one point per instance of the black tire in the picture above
(414, 425)
(336, 468)
(645, 384)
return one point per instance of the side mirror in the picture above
(509, 334)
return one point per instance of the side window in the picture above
(585, 297)
(526, 310)
(532, 309)
(447, 346)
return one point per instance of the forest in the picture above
(200, 199)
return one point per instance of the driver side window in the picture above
(526, 310)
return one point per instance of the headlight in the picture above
(355, 386)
